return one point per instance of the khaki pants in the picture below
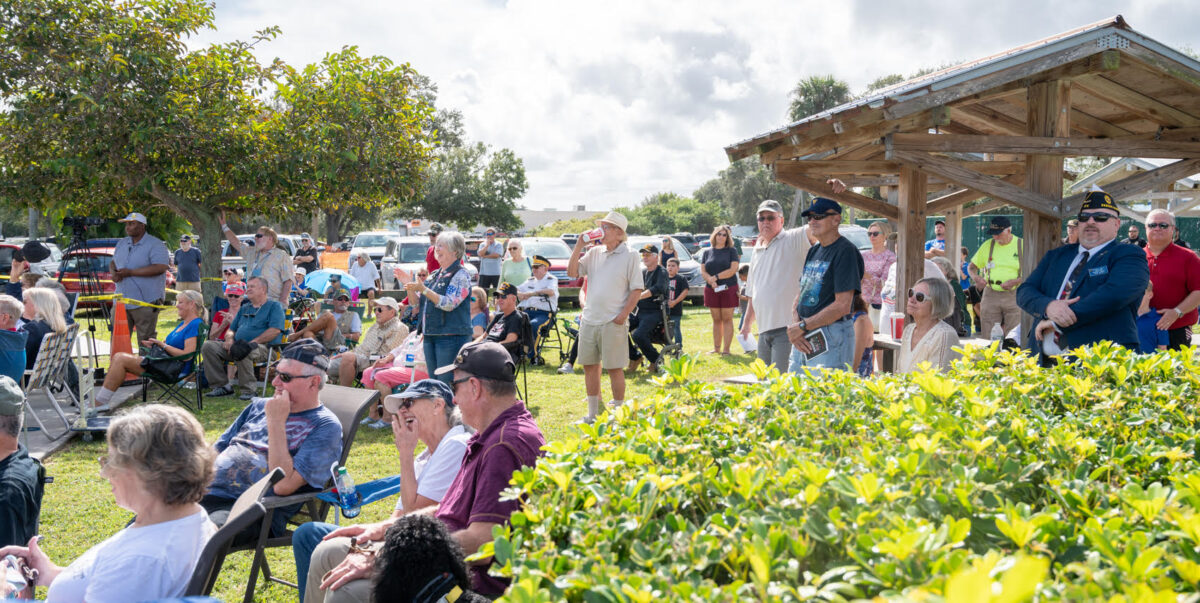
(144, 321)
(327, 556)
(215, 357)
(998, 307)
(190, 286)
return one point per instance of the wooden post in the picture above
(910, 249)
(1049, 114)
(954, 236)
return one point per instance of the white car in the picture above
(408, 253)
(374, 243)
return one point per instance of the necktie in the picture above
(1074, 278)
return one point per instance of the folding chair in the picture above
(46, 371)
(173, 389)
(349, 405)
(246, 510)
(524, 345)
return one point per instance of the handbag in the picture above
(161, 365)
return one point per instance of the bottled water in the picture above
(997, 332)
(348, 498)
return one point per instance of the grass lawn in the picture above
(78, 511)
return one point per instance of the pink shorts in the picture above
(392, 376)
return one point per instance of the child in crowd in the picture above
(1150, 338)
(677, 292)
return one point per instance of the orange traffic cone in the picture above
(120, 333)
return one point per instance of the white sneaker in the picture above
(566, 369)
(586, 421)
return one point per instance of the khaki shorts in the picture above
(606, 345)
(189, 286)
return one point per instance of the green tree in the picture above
(469, 186)
(668, 212)
(815, 94)
(572, 226)
(739, 188)
(106, 109)
(883, 82)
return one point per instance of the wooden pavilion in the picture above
(1000, 127)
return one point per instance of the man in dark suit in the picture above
(1088, 291)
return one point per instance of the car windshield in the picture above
(6, 254)
(413, 253)
(82, 263)
(551, 250)
(371, 240)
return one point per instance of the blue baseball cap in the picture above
(425, 388)
(822, 206)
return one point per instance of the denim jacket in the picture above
(448, 283)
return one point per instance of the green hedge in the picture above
(997, 481)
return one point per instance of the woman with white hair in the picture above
(445, 314)
(43, 315)
(159, 467)
(183, 339)
(928, 338)
(517, 268)
(364, 271)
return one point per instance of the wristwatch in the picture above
(802, 324)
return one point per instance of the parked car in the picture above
(49, 266)
(689, 268)
(557, 252)
(92, 261)
(374, 243)
(409, 253)
(689, 240)
(6, 257)
(231, 258)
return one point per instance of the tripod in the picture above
(89, 285)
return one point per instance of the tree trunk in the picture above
(209, 231)
(331, 227)
(33, 223)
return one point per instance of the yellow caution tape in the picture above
(116, 297)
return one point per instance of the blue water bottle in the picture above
(348, 498)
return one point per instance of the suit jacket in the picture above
(1109, 291)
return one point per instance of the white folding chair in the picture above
(48, 370)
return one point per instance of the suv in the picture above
(409, 253)
(557, 252)
(374, 243)
(231, 259)
(689, 240)
(689, 268)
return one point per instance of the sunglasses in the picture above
(1098, 217)
(232, 295)
(378, 309)
(917, 295)
(287, 378)
(819, 217)
(259, 235)
(512, 248)
(1162, 225)
(454, 383)
(767, 218)
(874, 233)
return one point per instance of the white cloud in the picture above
(611, 102)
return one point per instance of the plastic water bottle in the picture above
(347, 496)
(997, 332)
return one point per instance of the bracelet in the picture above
(225, 228)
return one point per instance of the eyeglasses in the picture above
(1162, 225)
(917, 295)
(287, 378)
(454, 383)
(379, 309)
(767, 218)
(1098, 217)
(874, 233)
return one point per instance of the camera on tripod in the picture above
(81, 223)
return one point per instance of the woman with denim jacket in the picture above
(445, 318)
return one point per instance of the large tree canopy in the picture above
(470, 186)
(815, 94)
(105, 108)
(740, 187)
(665, 213)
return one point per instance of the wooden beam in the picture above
(988, 205)
(1136, 102)
(985, 119)
(910, 248)
(818, 187)
(1043, 145)
(1170, 134)
(837, 167)
(1139, 183)
(1182, 207)
(844, 134)
(1095, 126)
(954, 172)
(955, 199)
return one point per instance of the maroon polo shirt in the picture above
(1175, 273)
(510, 442)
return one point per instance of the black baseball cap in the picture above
(939, 221)
(309, 352)
(822, 206)
(506, 289)
(483, 359)
(1099, 200)
(649, 248)
(998, 224)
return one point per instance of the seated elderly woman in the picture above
(159, 466)
(182, 340)
(402, 366)
(425, 412)
(928, 338)
(43, 315)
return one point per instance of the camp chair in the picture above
(571, 334)
(520, 353)
(47, 372)
(173, 386)
(359, 308)
(246, 510)
(349, 405)
(548, 337)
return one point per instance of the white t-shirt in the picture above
(137, 563)
(774, 277)
(436, 472)
(366, 275)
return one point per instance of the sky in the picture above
(610, 102)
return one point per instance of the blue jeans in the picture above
(676, 321)
(647, 321)
(537, 318)
(440, 351)
(840, 355)
(304, 541)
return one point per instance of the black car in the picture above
(689, 241)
